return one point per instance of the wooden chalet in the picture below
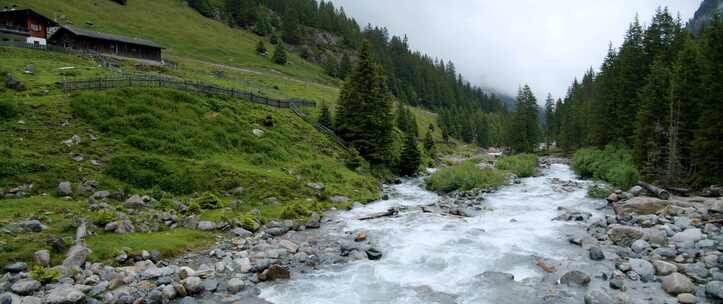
(78, 39)
(24, 26)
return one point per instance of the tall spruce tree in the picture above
(291, 30)
(650, 148)
(429, 141)
(524, 129)
(345, 66)
(364, 113)
(325, 118)
(280, 56)
(411, 158)
(549, 120)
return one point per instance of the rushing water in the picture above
(430, 258)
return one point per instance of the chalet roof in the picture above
(104, 36)
(27, 12)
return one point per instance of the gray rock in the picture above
(65, 188)
(663, 268)
(618, 284)
(598, 296)
(314, 221)
(65, 295)
(188, 300)
(32, 300)
(235, 285)
(25, 287)
(714, 289)
(42, 257)
(696, 271)
(206, 225)
(243, 233)
(636, 190)
(16, 267)
(290, 246)
(169, 292)
(77, 255)
(624, 235)
(497, 277)
(689, 235)
(193, 285)
(596, 253)
(575, 278)
(677, 283)
(101, 194)
(33, 226)
(686, 298)
(373, 254)
(665, 252)
(210, 285)
(643, 268)
(275, 272)
(338, 199)
(316, 186)
(135, 202)
(243, 265)
(640, 246)
(155, 296)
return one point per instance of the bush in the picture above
(44, 275)
(465, 176)
(193, 208)
(8, 108)
(295, 211)
(103, 217)
(597, 191)
(209, 201)
(249, 222)
(522, 165)
(613, 164)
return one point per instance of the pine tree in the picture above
(325, 116)
(411, 158)
(482, 131)
(345, 66)
(707, 146)
(280, 54)
(549, 120)
(652, 121)
(274, 39)
(524, 129)
(364, 113)
(261, 48)
(331, 66)
(429, 141)
(263, 25)
(630, 78)
(291, 31)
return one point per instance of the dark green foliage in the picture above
(202, 7)
(325, 116)
(331, 66)
(261, 48)
(411, 158)
(659, 94)
(241, 12)
(44, 275)
(429, 141)
(263, 25)
(121, 2)
(524, 130)
(290, 28)
(146, 172)
(274, 39)
(295, 211)
(8, 108)
(345, 67)
(549, 121)
(364, 116)
(209, 201)
(522, 165)
(103, 217)
(613, 164)
(597, 191)
(280, 56)
(464, 177)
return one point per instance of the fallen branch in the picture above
(390, 212)
(679, 191)
(660, 193)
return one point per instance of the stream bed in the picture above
(434, 258)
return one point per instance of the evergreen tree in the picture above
(291, 31)
(331, 66)
(274, 39)
(652, 119)
(345, 67)
(411, 158)
(708, 143)
(325, 116)
(632, 72)
(263, 25)
(364, 114)
(482, 131)
(524, 131)
(280, 56)
(202, 7)
(429, 141)
(549, 120)
(261, 48)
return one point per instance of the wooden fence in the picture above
(183, 85)
(321, 128)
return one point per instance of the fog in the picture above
(501, 45)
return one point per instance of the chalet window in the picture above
(36, 27)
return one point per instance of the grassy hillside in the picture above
(175, 147)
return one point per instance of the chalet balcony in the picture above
(9, 29)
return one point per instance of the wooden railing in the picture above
(183, 85)
(321, 128)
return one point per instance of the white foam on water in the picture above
(444, 254)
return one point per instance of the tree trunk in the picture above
(660, 193)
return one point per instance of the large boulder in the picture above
(25, 287)
(663, 268)
(643, 268)
(642, 205)
(65, 295)
(275, 272)
(16, 267)
(689, 235)
(575, 277)
(77, 256)
(624, 235)
(714, 289)
(135, 201)
(193, 285)
(42, 257)
(65, 188)
(677, 283)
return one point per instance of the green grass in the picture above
(170, 243)
(464, 177)
(613, 165)
(522, 165)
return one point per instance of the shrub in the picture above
(166, 204)
(613, 164)
(465, 176)
(249, 222)
(103, 217)
(522, 165)
(598, 191)
(44, 275)
(295, 211)
(193, 208)
(8, 108)
(209, 201)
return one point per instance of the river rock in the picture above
(135, 202)
(235, 285)
(25, 287)
(714, 289)
(624, 235)
(65, 295)
(290, 246)
(338, 199)
(188, 300)
(663, 268)
(689, 235)
(677, 283)
(31, 300)
(643, 268)
(598, 296)
(169, 292)
(686, 298)
(42, 257)
(373, 254)
(596, 253)
(640, 246)
(575, 278)
(206, 225)
(274, 272)
(642, 205)
(192, 285)
(16, 267)
(77, 256)
(242, 233)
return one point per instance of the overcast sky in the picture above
(503, 44)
